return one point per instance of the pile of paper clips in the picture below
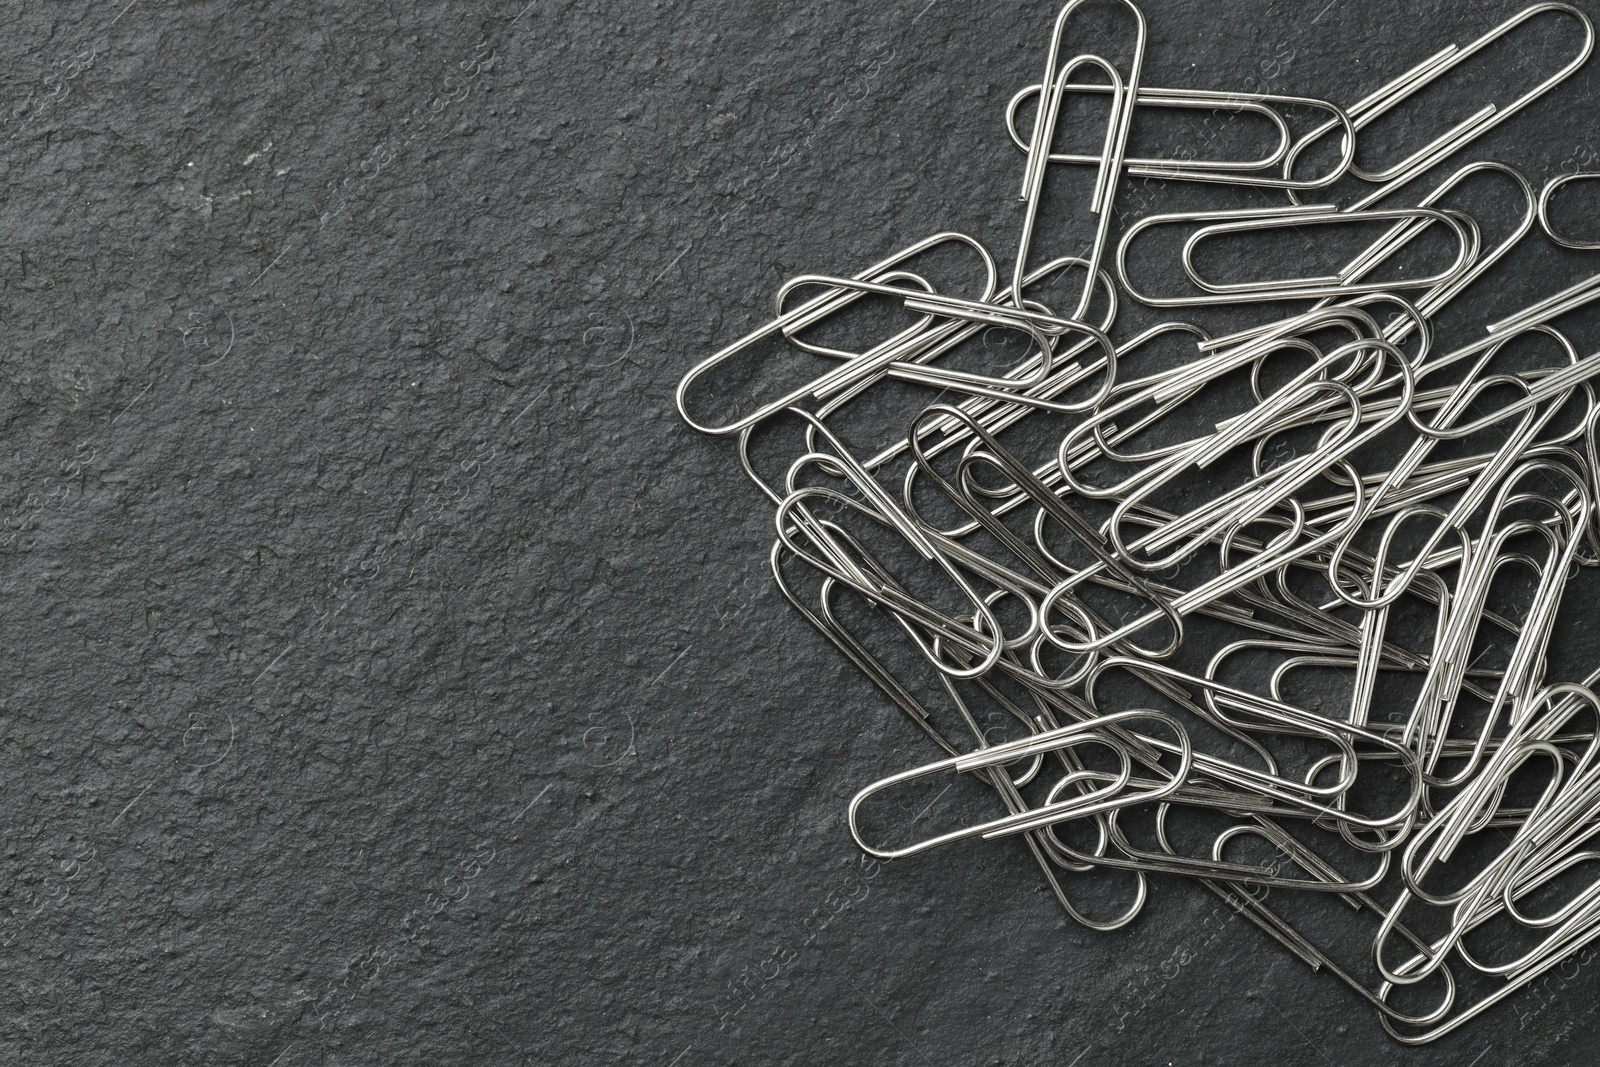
(1117, 596)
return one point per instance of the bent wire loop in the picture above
(1475, 125)
(1056, 808)
(1545, 194)
(867, 365)
(1337, 284)
(1221, 172)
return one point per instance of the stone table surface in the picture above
(392, 678)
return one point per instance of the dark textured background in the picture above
(391, 678)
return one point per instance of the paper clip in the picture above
(1055, 810)
(1334, 285)
(1544, 210)
(1402, 88)
(868, 365)
(1223, 172)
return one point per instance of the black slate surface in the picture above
(391, 678)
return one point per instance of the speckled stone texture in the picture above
(391, 678)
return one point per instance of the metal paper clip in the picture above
(1544, 210)
(1340, 284)
(867, 365)
(1402, 88)
(1222, 172)
(1056, 809)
